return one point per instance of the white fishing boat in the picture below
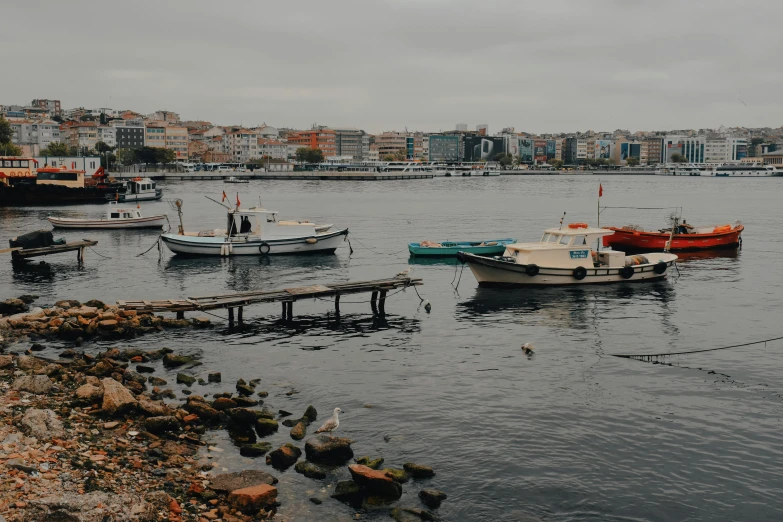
(232, 179)
(116, 218)
(255, 232)
(137, 189)
(565, 257)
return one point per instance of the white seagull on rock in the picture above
(332, 424)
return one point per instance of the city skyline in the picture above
(427, 65)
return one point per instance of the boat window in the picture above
(115, 215)
(16, 163)
(545, 238)
(580, 240)
(564, 240)
(25, 163)
(554, 238)
(126, 215)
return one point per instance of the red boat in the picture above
(633, 238)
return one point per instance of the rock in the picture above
(370, 463)
(299, 431)
(161, 424)
(214, 377)
(284, 413)
(245, 401)
(255, 450)
(107, 324)
(94, 303)
(42, 424)
(432, 497)
(226, 482)
(397, 474)
(265, 427)
(12, 306)
(316, 501)
(197, 405)
(185, 379)
(156, 381)
(116, 397)
(130, 375)
(241, 415)
(418, 471)
(135, 387)
(241, 433)
(412, 515)
(6, 361)
(154, 408)
(94, 506)
(310, 470)
(349, 492)
(144, 369)
(263, 394)
(110, 425)
(37, 347)
(250, 500)
(223, 404)
(20, 465)
(245, 390)
(331, 450)
(101, 369)
(174, 361)
(154, 355)
(27, 362)
(377, 483)
(37, 384)
(28, 298)
(265, 413)
(310, 414)
(284, 456)
(89, 394)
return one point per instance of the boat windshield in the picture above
(580, 240)
(554, 238)
(564, 240)
(545, 238)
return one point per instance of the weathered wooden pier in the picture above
(378, 289)
(19, 254)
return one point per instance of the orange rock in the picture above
(56, 322)
(107, 323)
(251, 499)
(137, 359)
(195, 488)
(190, 418)
(174, 507)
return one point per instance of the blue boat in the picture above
(490, 247)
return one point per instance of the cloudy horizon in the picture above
(540, 67)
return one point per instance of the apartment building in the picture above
(241, 145)
(107, 135)
(51, 106)
(33, 136)
(390, 143)
(654, 148)
(165, 116)
(321, 138)
(574, 151)
(168, 137)
(444, 148)
(349, 141)
(129, 133)
(83, 135)
(272, 148)
(725, 150)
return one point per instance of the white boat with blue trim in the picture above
(256, 232)
(566, 257)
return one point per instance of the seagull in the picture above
(332, 424)
(528, 349)
(405, 272)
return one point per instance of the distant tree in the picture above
(679, 158)
(165, 155)
(5, 131)
(149, 155)
(102, 147)
(56, 148)
(126, 156)
(632, 161)
(388, 157)
(107, 160)
(10, 149)
(309, 155)
(556, 163)
(57, 118)
(504, 158)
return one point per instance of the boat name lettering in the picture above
(579, 254)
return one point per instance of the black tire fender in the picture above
(627, 272)
(579, 273)
(660, 267)
(531, 270)
(264, 248)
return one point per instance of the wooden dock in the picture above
(378, 289)
(21, 254)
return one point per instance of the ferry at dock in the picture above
(752, 170)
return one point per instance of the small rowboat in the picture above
(631, 238)
(116, 218)
(450, 248)
(232, 179)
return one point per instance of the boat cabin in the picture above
(141, 186)
(568, 247)
(254, 222)
(15, 169)
(62, 177)
(116, 212)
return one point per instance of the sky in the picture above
(541, 67)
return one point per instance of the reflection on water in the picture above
(727, 254)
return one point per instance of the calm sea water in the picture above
(569, 434)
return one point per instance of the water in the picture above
(569, 434)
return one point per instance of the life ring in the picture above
(626, 272)
(577, 225)
(531, 270)
(660, 267)
(579, 273)
(264, 248)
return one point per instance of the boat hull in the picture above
(452, 248)
(250, 246)
(32, 194)
(494, 272)
(132, 223)
(637, 241)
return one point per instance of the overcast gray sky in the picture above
(539, 66)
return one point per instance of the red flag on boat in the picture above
(237, 199)
(600, 190)
(224, 197)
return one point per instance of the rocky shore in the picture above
(106, 438)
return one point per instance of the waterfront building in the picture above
(574, 151)
(241, 145)
(83, 135)
(349, 141)
(725, 150)
(168, 137)
(654, 148)
(391, 143)
(444, 148)
(691, 147)
(51, 106)
(34, 136)
(89, 164)
(320, 138)
(129, 133)
(107, 135)
(773, 158)
(272, 148)
(373, 154)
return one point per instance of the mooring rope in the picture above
(157, 242)
(648, 356)
(98, 253)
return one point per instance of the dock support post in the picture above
(373, 305)
(239, 314)
(382, 303)
(180, 315)
(285, 310)
(230, 317)
(290, 311)
(337, 304)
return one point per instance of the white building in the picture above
(272, 148)
(108, 135)
(462, 127)
(265, 131)
(35, 135)
(725, 150)
(241, 145)
(89, 164)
